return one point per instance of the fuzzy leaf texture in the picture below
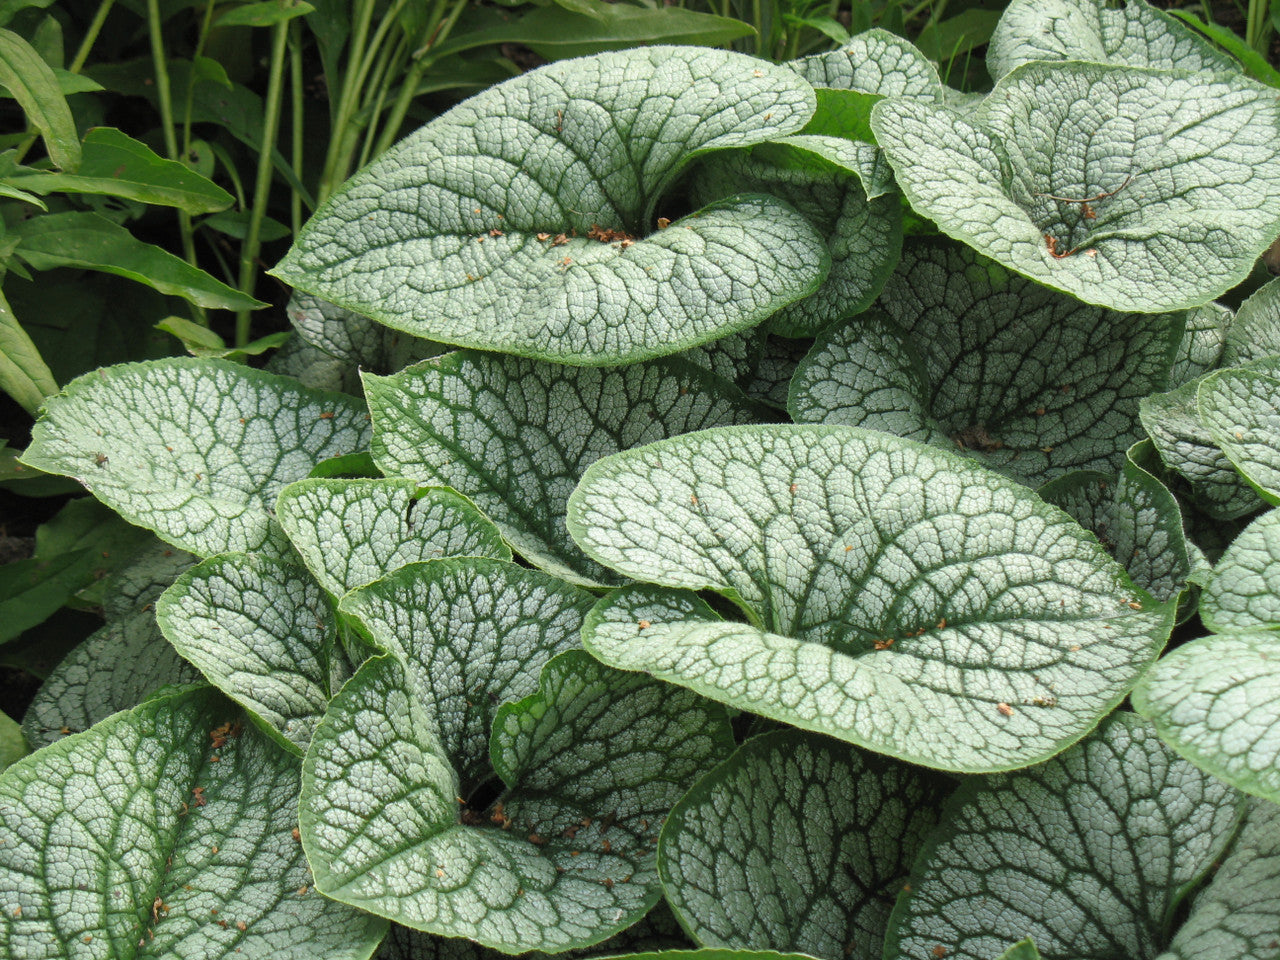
(196, 450)
(1138, 190)
(129, 841)
(900, 598)
(515, 435)
(523, 220)
(1088, 854)
(796, 842)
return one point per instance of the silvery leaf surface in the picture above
(797, 842)
(864, 236)
(129, 841)
(1088, 854)
(1188, 447)
(589, 766)
(898, 597)
(1133, 189)
(354, 338)
(352, 532)
(195, 450)
(514, 435)
(1241, 410)
(965, 354)
(1131, 34)
(1255, 332)
(524, 220)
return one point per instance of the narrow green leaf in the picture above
(33, 84)
(261, 631)
(945, 40)
(515, 435)
(968, 355)
(901, 598)
(1132, 34)
(1089, 854)
(1053, 175)
(92, 242)
(352, 532)
(145, 837)
(31, 590)
(850, 824)
(13, 746)
(117, 165)
(195, 450)
(263, 14)
(85, 524)
(23, 372)
(1255, 64)
(564, 259)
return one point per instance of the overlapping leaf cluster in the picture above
(562, 641)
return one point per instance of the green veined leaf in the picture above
(23, 373)
(1216, 701)
(590, 764)
(144, 838)
(138, 585)
(777, 368)
(114, 669)
(262, 631)
(1244, 594)
(352, 532)
(117, 165)
(796, 842)
(85, 524)
(1135, 518)
(734, 358)
(263, 14)
(31, 81)
(1187, 447)
(1241, 410)
(560, 259)
(901, 598)
(196, 450)
(874, 64)
(1131, 34)
(1238, 913)
(1108, 183)
(969, 355)
(1255, 332)
(1089, 854)
(92, 242)
(1204, 343)
(824, 155)
(515, 435)
(353, 338)
(13, 746)
(864, 237)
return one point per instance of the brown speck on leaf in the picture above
(560, 240)
(1239, 435)
(606, 846)
(327, 415)
(17, 911)
(565, 261)
(296, 834)
(158, 907)
(544, 237)
(440, 872)
(884, 644)
(757, 73)
(101, 459)
(242, 421)
(495, 232)
(1046, 449)
(302, 890)
(1134, 605)
(663, 223)
(574, 853)
(214, 848)
(608, 884)
(570, 832)
(1005, 709)
(693, 498)
(976, 437)
(1039, 411)
(1091, 252)
(198, 793)
(644, 624)
(480, 239)
(64, 730)
(939, 951)
(222, 923)
(214, 911)
(241, 926)
(792, 489)
(88, 938)
(625, 242)
(537, 840)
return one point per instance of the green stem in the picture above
(392, 56)
(436, 34)
(296, 120)
(184, 219)
(91, 36)
(270, 124)
(342, 112)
